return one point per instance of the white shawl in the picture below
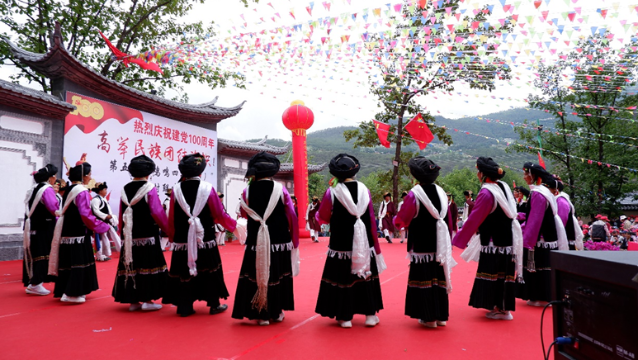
(509, 208)
(560, 228)
(54, 256)
(443, 243)
(127, 217)
(383, 209)
(195, 228)
(578, 242)
(26, 236)
(260, 300)
(360, 247)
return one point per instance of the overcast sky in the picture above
(345, 100)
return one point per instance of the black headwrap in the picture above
(404, 194)
(424, 169)
(522, 190)
(100, 186)
(263, 165)
(489, 168)
(192, 165)
(550, 180)
(561, 186)
(535, 169)
(141, 166)
(344, 166)
(79, 171)
(45, 173)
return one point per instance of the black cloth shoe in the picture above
(186, 310)
(388, 238)
(218, 309)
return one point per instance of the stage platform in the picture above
(41, 327)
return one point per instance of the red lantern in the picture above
(298, 118)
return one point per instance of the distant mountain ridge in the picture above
(323, 145)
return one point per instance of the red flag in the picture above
(541, 162)
(513, 183)
(418, 128)
(382, 131)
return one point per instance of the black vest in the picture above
(342, 223)
(189, 190)
(497, 226)
(41, 216)
(144, 225)
(548, 226)
(422, 230)
(73, 225)
(103, 205)
(569, 228)
(258, 198)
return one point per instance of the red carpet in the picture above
(36, 327)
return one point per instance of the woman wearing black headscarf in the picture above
(350, 280)
(499, 244)
(71, 257)
(141, 270)
(424, 213)
(196, 268)
(544, 232)
(265, 286)
(39, 224)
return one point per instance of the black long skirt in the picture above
(427, 297)
(40, 249)
(538, 284)
(146, 280)
(182, 289)
(572, 244)
(495, 282)
(280, 286)
(76, 269)
(343, 294)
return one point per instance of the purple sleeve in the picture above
(241, 208)
(157, 210)
(325, 209)
(481, 209)
(293, 223)
(563, 209)
(83, 203)
(50, 201)
(537, 207)
(375, 238)
(407, 212)
(219, 215)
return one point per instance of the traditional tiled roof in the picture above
(59, 63)
(246, 148)
(24, 98)
(289, 168)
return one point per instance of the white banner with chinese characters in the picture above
(108, 136)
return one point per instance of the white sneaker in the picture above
(345, 324)
(429, 324)
(134, 307)
(280, 318)
(264, 322)
(441, 323)
(500, 315)
(73, 299)
(37, 290)
(372, 320)
(536, 303)
(149, 306)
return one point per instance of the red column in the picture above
(298, 118)
(300, 163)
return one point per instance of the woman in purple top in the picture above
(257, 298)
(196, 268)
(41, 218)
(494, 286)
(427, 294)
(141, 277)
(567, 216)
(540, 237)
(75, 265)
(349, 287)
